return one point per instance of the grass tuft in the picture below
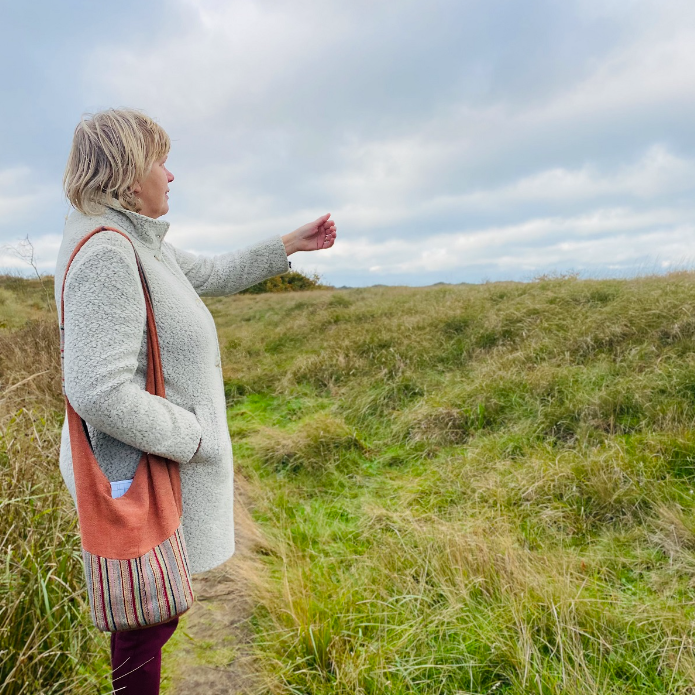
(314, 444)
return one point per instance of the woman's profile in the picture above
(117, 178)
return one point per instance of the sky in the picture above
(451, 140)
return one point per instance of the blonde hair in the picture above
(111, 151)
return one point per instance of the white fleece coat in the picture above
(105, 360)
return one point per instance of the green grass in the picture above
(463, 489)
(471, 489)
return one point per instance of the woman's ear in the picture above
(136, 188)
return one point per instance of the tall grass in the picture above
(471, 489)
(47, 643)
(480, 489)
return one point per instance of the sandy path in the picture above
(210, 650)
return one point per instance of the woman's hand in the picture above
(314, 236)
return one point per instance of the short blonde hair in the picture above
(111, 150)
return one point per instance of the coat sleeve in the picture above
(104, 322)
(235, 271)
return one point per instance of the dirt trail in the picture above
(210, 651)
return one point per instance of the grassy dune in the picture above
(475, 489)
(471, 489)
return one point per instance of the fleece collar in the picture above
(148, 231)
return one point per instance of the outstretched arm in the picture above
(233, 272)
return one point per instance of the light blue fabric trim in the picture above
(120, 487)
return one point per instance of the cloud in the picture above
(657, 173)
(223, 55)
(23, 200)
(14, 201)
(621, 237)
(445, 137)
(20, 196)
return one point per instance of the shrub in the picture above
(294, 281)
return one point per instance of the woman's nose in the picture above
(170, 176)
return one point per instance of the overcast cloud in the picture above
(452, 140)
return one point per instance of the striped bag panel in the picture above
(150, 589)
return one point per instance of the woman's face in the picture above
(153, 190)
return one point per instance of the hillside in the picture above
(461, 489)
(471, 489)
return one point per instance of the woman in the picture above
(117, 177)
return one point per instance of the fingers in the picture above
(328, 237)
(327, 226)
(326, 233)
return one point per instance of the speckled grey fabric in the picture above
(105, 360)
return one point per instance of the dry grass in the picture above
(47, 643)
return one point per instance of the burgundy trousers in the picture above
(136, 658)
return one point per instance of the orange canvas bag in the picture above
(135, 560)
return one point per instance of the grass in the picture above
(47, 644)
(463, 489)
(471, 489)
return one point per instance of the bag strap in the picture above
(155, 375)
